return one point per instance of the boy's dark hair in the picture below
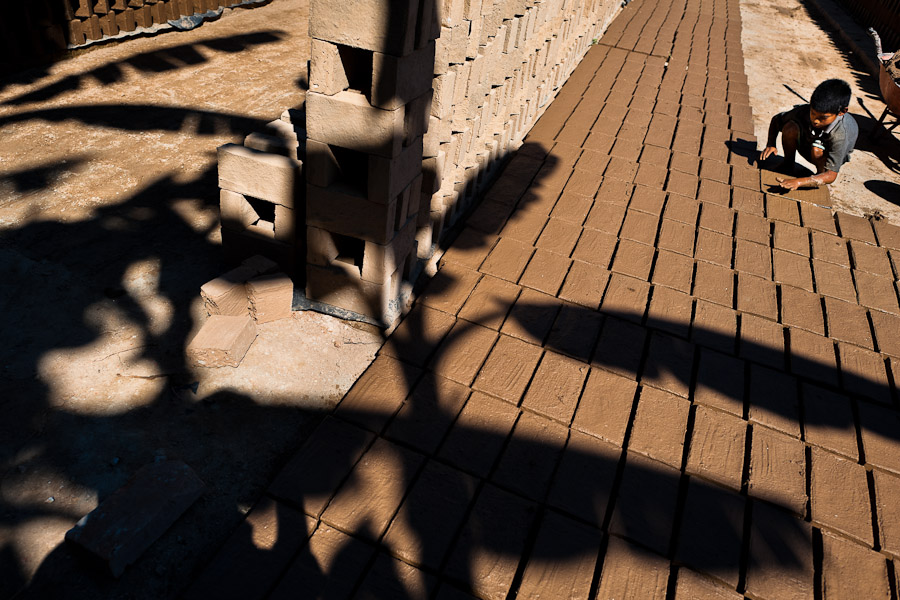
(831, 96)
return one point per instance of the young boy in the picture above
(821, 131)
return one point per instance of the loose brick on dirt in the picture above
(545, 575)
(711, 531)
(222, 341)
(852, 571)
(479, 434)
(497, 515)
(780, 564)
(839, 496)
(629, 571)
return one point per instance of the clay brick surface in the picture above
(676, 236)
(546, 271)
(711, 531)
(791, 238)
(629, 571)
(852, 571)
(673, 270)
(463, 351)
(887, 488)
(816, 217)
(812, 356)
(595, 247)
(773, 400)
(659, 426)
(762, 341)
(556, 387)
(497, 515)
(887, 332)
(682, 209)
(834, 281)
(545, 575)
(575, 332)
(648, 199)
(633, 259)
(572, 208)
(378, 393)
(714, 326)
(508, 259)
(752, 228)
(714, 247)
(839, 496)
(489, 302)
(691, 586)
(450, 288)
(584, 284)
(863, 373)
(792, 269)
(888, 235)
(848, 322)
(877, 292)
(431, 409)
(583, 482)
(508, 369)
(753, 258)
(714, 283)
(781, 555)
(758, 296)
(531, 316)
(559, 236)
(828, 420)
(880, 432)
(419, 333)
(871, 259)
(479, 434)
(830, 248)
(717, 447)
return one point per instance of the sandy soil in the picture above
(787, 53)
(109, 221)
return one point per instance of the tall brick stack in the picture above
(367, 112)
(498, 64)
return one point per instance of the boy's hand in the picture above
(789, 184)
(769, 151)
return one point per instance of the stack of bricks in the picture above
(367, 112)
(91, 20)
(262, 195)
(498, 65)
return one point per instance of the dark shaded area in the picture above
(888, 190)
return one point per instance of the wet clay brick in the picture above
(625, 297)
(448, 290)
(489, 568)
(887, 331)
(830, 248)
(329, 551)
(852, 571)
(651, 175)
(548, 575)
(758, 296)
(887, 490)
(470, 248)
(840, 496)
(778, 469)
(773, 400)
(717, 447)
(847, 322)
(368, 500)
(645, 505)
(634, 259)
(816, 217)
(713, 192)
(530, 458)
(614, 191)
(682, 183)
(752, 228)
(556, 387)
(630, 572)
(677, 237)
(748, 202)
(421, 330)
(659, 426)
(714, 326)
(430, 516)
(595, 247)
(888, 235)
(508, 259)
(648, 200)
(606, 405)
(546, 272)
(762, 341)
(720, 382)
(781, 555)
(584, 284)
(461, 354)
(711, 531)
(714, 248)
(685, 163)
(531, 316)
(880, 432)
(682, 209)
(877, 292)
(479, 434)
(670, 310)
(559, 236)
(489, 302)
(572, 208)
(669, 364)
(508, 369)
(673, 270)
(863, 373)
(828, 421)
(717, 218)
(584, 480)
(691, 586)
(802, 309)
(265, 541)
(575, 332)
(812, 356)
(714, 283)
(791, 239)
(792, 269)
(871, 259)
(378, 393)
(715, 170)
(782, 209)
(429, 413)
(640, 227)
(755, 259)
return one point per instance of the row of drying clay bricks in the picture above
(255, 292)
(110, 19)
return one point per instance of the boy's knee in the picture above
(791, 130)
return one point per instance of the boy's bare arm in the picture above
(774, 129)
(824, 178)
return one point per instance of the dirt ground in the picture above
(109, 220)
(108, 213)
(787, 52)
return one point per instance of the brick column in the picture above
(367, 111)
